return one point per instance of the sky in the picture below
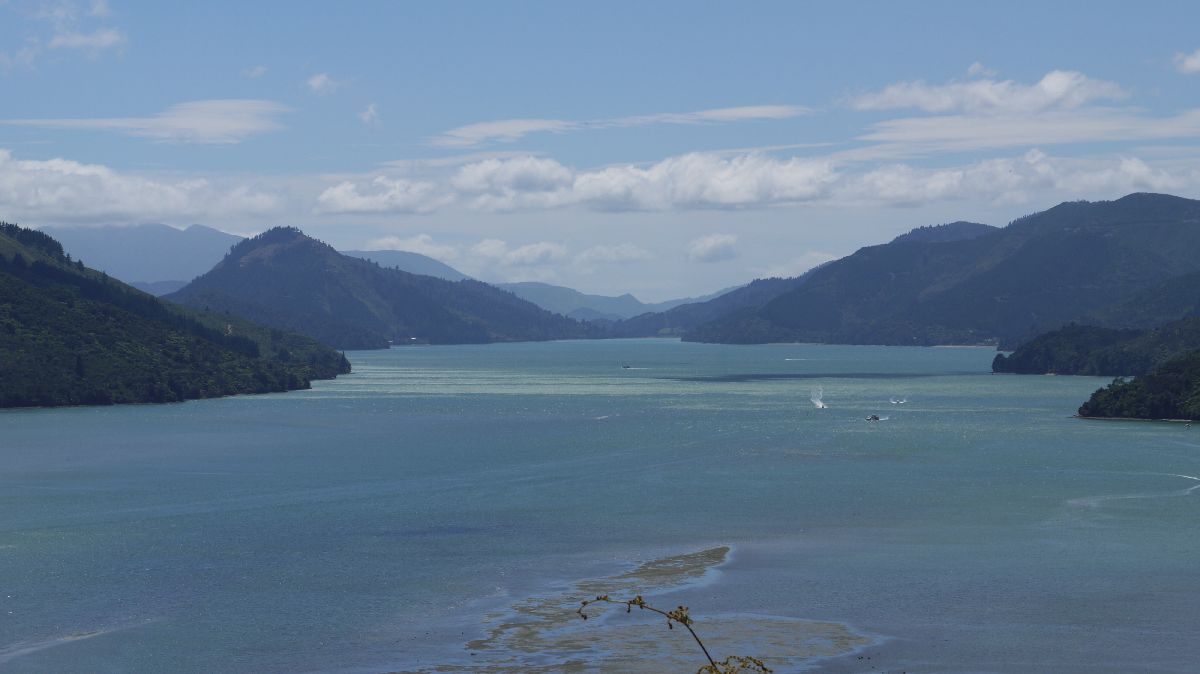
(665, 149)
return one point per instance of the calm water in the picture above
(445, 508)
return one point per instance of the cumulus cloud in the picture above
(421, 243)
(370, 115)
(102, 38)
(528, 255)
(1188, 64)
(255, 72)
(1013, 180)
(712, 248)
(977, 69)
(99, 8)
(206, 122)
(322, 84)
(509, 130)
(381, 195)
(1058, 89)
(61, 190)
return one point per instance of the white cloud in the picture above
(622, 253)
(381, 195)
(61, 190)
(1058, 89)
(977, 69)
(370, 115)
(255, 72)
(691, 181)
(322, 84)
(712, 248)
(102, 38)
(99, 8)
(509, 130)
(1188, 64)
(955, 133)
(205, 122)
(532, 254)
(1034, 175)
(421, 243)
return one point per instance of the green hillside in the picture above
(1170, 391)
(287, 280)
(1088, 350)
(72, 336)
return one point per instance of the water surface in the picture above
(445, 508)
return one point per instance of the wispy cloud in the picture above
(1188, 64)
(1058, 89)
(370, 115)
(322, 84)
(205, 122)
(957, 133)
(508, 130)
(712, 248)
(102, 38)
(255, 72)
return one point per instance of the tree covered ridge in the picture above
(70, 335)
(1096, 351)
(1170, 391)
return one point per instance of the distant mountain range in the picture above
(587, 307)
(413, 263)
(144, 254)
(1071, 262)
(70, 335)
(285, 279)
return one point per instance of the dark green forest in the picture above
(1170, 391)
(1094, 351)
(72, 336)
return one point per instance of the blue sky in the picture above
(660, 148)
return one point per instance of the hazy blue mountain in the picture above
(413, 263)
(146, 253)
(285, 279)
(685, 318)
(570, 302)
(70, 335)
(1040, 272)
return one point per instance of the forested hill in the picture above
(285, 279)
(1089, 350)
(1170, 391)
(70, 335)
(1037, 274)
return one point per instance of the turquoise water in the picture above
(445, 508)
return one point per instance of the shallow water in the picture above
(445, 509)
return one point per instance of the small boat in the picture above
(873, 417)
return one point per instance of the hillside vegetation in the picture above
(1170, 391)
(1088, 350)
(70, 335)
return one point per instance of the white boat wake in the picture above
(1096, 501)
(817, 394)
